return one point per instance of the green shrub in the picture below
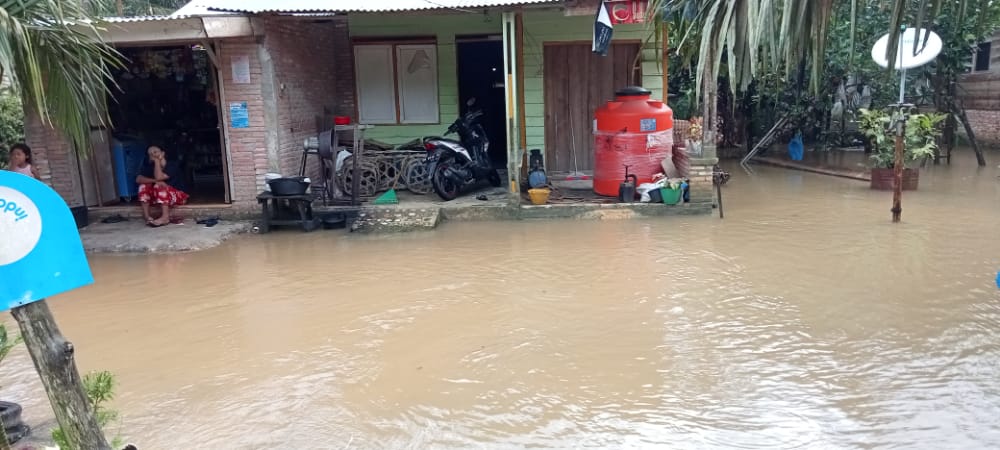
(922, 133)
(100, 387)
(11, 124)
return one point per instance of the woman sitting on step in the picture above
(159, 184)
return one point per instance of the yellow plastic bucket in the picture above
(539, 196)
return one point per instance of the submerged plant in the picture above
(100, 388)
(922, 133)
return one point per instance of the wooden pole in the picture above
(897, 169)
(665, 61)
(718, 193)
(53, 358)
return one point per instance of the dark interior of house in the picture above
(480, 76)
(166, 96)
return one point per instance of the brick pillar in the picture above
(701, 189)
(50, 154)
(344, 69)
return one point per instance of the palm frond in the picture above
(54, 57)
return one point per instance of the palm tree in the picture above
(760, 36)
(51, 52)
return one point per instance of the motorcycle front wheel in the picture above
(444, 186)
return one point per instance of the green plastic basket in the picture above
(670, 196)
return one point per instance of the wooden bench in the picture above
(272, 215)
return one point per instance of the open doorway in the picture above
(480, 76)
(167, 96)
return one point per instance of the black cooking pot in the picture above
(288, 186)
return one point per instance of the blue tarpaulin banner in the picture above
(40, 250)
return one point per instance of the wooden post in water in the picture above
(897, 167)
(53, 358)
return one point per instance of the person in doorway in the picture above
(20, 161)
(158, 186)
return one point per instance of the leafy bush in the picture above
(100, 387)
(922, 133)
(11, 124)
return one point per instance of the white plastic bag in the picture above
(644, 188)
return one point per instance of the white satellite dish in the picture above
(905, 58)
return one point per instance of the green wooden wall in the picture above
(445, 27)
(552, 26)
(540, 26)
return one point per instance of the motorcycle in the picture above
(455, 164)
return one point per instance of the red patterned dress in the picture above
(169, 192)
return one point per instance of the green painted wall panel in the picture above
(444, 27)
(552, 26)
(539, 27)
(534, 109)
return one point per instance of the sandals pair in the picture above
(208, 222)
(114, 219)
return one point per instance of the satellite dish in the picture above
(905, 59)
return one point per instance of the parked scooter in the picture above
(453, 165)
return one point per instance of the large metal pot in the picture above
(288, 186)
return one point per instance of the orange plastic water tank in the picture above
(632, 130)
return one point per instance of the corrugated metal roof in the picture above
(197, 8)
(348, 6)
(192, 9)
(138, 19)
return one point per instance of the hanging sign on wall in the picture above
(627, 11)
(241, 69)
(239, 115)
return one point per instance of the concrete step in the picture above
(395, 219)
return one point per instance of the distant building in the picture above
(979, 91)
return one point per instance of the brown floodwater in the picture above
(804, 319)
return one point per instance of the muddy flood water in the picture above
(804, 319)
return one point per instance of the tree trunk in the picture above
(947, 138)
(897, 173)
(710, 105)
(4, 445)
(53, 358)
(972, 135)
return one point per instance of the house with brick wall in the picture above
(979, 91)
(407, 67)
(277, 74)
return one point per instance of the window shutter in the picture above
(376, 86)
(416, 71)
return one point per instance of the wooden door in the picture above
(577, 82)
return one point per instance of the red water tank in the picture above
(631, 131)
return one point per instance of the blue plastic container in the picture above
(128, 156)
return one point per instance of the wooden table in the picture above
(271, 213)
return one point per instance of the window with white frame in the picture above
(396, 83)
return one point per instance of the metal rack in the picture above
(325, 147)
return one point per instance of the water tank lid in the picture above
(632, 91)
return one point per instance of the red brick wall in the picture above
(305, 87)
(247, 146)
(344, 69)
(986, 125)
(50, 152)
(313, 75)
